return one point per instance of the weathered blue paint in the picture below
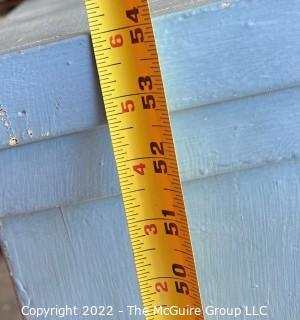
(37, 22)
(239, 49)
(244, 226)
(49, 91)
(208, 55)
(219, 139)
(86, 255)
(232, 78)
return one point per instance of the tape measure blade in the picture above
(138, 119)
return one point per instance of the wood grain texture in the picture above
(232, 76)
(53, 93)
(164, 7)
(37, 22)
(76, 251)
(245, 233)
(246, 48)
(205, 58)
(219, 139)
(248, 223)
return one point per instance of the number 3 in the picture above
(150, 229)
(145, 82)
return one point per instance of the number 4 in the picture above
(139, 168)
(133, 14)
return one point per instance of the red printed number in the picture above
(159, 286)
(150, 229)
(127, 106)
(116, 41)
(139, 168)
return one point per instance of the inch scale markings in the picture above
(138, 119)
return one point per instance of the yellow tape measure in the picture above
(138, 119)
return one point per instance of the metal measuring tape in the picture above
(136, 109)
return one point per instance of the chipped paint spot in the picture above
(13, 141)
(22, 113)
(6, 124)
(29, 132)
(226, 5)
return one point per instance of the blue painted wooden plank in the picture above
(45, 93)
(218, 139)
(82, 254)
(245, 232)
(241, 49)
(218, 53)
(245, 225)
(245, 229)
(45, 174)
(238, 135)
(37, 22)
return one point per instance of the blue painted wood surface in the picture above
(244, 232)
(232, 78)
(45, 90)
(205, 66)
(221, 138)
